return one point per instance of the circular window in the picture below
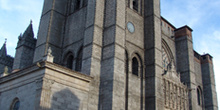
(130, 27)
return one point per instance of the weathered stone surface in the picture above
(152, 68)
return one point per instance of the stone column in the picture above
(154, 99)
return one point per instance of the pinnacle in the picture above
(29, 31)
(3, 51)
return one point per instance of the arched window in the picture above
(135, 66)
(70, 62)
(77, 4)
(79, 61)
(199, 96)
(135, 5)
(15, 104)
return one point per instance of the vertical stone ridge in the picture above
(153, 56)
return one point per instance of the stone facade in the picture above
(108, 55)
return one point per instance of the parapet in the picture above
(206, 58)
(183, 31)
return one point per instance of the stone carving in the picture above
(49, 57)
(5, 71)
(175, 92)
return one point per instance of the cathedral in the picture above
(106, 55)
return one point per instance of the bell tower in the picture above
(117, 42)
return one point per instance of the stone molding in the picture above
(42, 66)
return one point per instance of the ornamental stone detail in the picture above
(175, 92)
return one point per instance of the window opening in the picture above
(135, 66)
(135, 5)
(15, 104)
(77, 4)
(79, 61)
(70, 62)
(199, 96)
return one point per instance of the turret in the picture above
(25, 49)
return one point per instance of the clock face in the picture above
(130, 27)
(165, 59)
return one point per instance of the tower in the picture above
(25, 49)
(112, 36)
(210, 100)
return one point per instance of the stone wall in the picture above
(46, 86)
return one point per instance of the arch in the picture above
(79, 60)
(166, 47)
(15, 104)
(167, 55)
(137, 65)
(199, 96)
(137, 69)
(68, 60)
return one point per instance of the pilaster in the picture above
(92, 48)
(153, 56)
(112, 86)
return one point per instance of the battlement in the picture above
(206, 58)
(167, 27)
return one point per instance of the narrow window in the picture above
(70, 62)
(199, 96)
(135, 5)
(135, 66)
(77, 4)
(15, 104)
(79, 61)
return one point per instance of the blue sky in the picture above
(203, 16)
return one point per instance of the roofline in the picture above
(184, 27)
(168, 22)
